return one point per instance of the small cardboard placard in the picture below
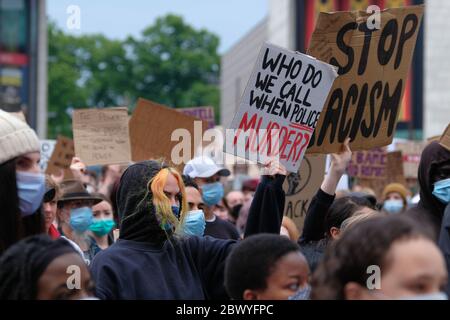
(370, 164)
(101, 136)
(411, 153)
(156, 130)
(203, 113)
(61, 158)
(445, 138)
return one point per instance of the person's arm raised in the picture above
(313, 228)
(78, 168)
(266, 210)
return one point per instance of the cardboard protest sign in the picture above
(445, 138)
(280, 107)
(370, 164)
(47, 147)
(411, 152)
(157, 131)
(394, 168)
(203, 113)
(61, 158)
(364, 103)
(394, 173)
(101, 136)
(301, 186)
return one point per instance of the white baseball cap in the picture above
(204, 167)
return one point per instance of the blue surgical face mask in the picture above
(442, 190)
(81, 219)
(30, 190)
(194, 223)
(302, 294)
(428, 296)
(393, 205)
(212, 193)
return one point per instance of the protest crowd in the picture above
(148, 229)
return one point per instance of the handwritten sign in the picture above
(101, 136)
(152, 126)
(61, 158)
(394, 169)
(280, 107)
(300, 187)
(369, 164)
(203, 113)
(411, 153)
(394, 173)
(364, 103)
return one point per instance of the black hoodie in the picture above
(144, 264)
(434, 158)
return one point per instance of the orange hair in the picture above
(162, 202)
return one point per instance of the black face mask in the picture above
(135, 205)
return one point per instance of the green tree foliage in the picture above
(170, 63)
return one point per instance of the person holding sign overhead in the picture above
(325, 215)
(164, 262)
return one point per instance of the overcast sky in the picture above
(229, 19)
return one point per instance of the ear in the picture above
(335, 232)
(354, 291)
(250, 295)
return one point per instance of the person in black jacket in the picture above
(444, 242)
(434, 166)
(324, 215)
(152, 259)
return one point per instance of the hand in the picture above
(112, 173)
(58, 178)
(272, 168)
(78, 168)
(340, 161)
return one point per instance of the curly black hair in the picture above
(252, 261)
(24, 262)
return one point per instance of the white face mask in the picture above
(428, 296)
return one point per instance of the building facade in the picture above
(425, 109)
(23, 60)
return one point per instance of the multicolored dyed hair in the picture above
(163, 208)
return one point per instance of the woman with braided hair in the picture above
(39, 268)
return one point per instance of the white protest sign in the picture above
(47, 147)
(280, 107)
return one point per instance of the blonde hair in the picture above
(163, 208)
(357, 218)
